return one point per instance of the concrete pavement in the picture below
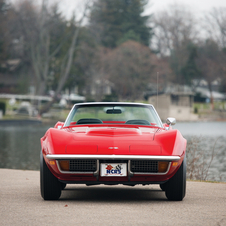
(21, 204)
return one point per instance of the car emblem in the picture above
(113, 148)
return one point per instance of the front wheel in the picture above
(63, 185)
(49, 185)
(163, 186)
(175, 189)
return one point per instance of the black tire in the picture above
(49, 185)
(163, 186)
(176, 186)
(63, 185)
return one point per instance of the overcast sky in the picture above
(198, 6)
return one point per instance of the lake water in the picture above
(210, 129)
(20, 148)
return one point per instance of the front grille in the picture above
(144, 166)
(83, 165)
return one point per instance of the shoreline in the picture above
(20, 121)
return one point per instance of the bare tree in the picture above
(209, 63)
(37, 30)
(4, 33)
(215, 25)
(66, 64)
(175, 28)
(131, 67)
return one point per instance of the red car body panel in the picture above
(113, 143)
(112, 139)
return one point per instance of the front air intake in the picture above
(144, 166)
(82, 165)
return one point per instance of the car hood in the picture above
(104, 140)
(110, 140)
(113, 131)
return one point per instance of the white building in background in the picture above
(205, 93)
(176, 101)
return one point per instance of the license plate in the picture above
(113, 169)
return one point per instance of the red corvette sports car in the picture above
(113, 143)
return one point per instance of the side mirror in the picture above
(171, 121)
(59, 125)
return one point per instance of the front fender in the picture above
(172, 142)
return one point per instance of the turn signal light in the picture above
(175, 164)
(52, 162)
(162, 167)
(64, 165)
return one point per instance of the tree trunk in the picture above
(211, 95)
(66, 70)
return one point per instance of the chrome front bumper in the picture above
(114, 157)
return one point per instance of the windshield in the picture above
(128, 114)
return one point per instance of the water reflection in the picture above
(20, 146)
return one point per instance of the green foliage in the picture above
(114, 22)
(3, 107)
(223, 85)
(23, 84)
(190, 70)
(196, 110)
(198, 98)
(110, 98)
(4, 8)
(90, 99)
(130, 35)
(210, 49)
